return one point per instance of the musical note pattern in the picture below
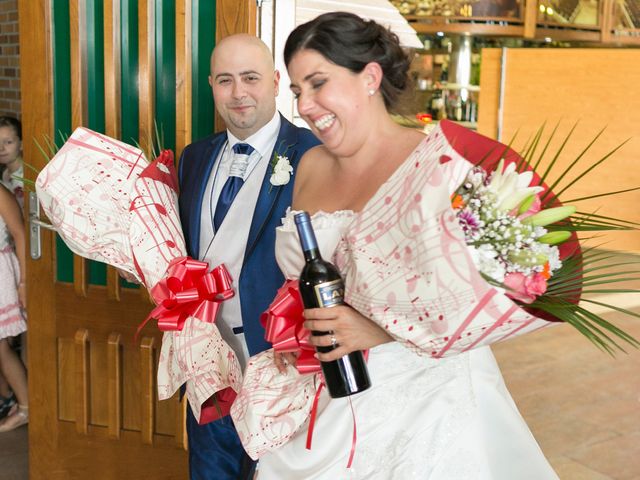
(406, 267)
(109, 204)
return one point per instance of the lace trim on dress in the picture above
(320, 219)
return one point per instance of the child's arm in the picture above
(12, 216)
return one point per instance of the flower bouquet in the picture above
(109, 204)
(523, 239)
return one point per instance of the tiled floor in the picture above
(13, 455)
(582, 405)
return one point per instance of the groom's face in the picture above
(244, 85)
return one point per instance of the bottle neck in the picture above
(307, 237)
(312, 254)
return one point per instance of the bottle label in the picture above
(330, 294)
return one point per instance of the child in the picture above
(11, 156)
(12, 303)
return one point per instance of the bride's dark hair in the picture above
(351, 42)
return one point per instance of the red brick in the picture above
(10, 101)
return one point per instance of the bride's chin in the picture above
(329, 136)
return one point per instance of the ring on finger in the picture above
(334, 342)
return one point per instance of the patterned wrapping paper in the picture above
(109, 204)
(407, 267)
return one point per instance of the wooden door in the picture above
(523, 89)
(119, 67)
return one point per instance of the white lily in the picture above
(510, 187)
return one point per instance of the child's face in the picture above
(10, 145)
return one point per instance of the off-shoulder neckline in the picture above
(320, 213)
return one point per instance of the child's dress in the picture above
(14, 185)
(12, 320)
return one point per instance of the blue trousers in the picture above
(215, 451)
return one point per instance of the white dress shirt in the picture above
(228, 244)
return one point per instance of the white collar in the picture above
(262, 140)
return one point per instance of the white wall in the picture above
(276, 20)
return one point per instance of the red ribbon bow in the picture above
(283, 323)
(189, 290)
(284, 330)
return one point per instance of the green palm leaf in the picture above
(572, 164)
(590, 197)
(555, 159)
(597, 163)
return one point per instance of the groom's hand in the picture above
(129, 277)
(283, 360)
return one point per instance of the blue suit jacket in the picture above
(260, 276)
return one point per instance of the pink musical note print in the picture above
(110, 205)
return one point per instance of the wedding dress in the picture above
(423, 418)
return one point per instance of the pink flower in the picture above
(523, 288)
(534, 208)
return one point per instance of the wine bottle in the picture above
(321, 286)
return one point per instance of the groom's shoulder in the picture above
(308, 138)
(200, 145)
(198, 152)
(304, 135)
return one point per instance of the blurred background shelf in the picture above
(596, 21)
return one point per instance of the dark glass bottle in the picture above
(322, 286)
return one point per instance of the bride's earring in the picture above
(372, 92)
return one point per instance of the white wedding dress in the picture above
(422, 418)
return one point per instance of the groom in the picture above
(230, 206)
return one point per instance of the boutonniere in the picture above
(281, 169)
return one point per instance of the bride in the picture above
(379, 195)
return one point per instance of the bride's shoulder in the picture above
(312, 164)
(310, 160)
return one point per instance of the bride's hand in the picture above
(351, 331)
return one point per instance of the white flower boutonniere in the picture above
(281, 170)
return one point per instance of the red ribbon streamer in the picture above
(312, 416)
(189, 290)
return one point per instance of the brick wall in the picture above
(9, 59)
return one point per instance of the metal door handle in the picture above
(35, 224)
